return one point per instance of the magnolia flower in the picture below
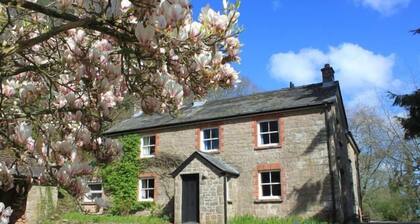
(30, 144)
(160, 22)
(84, 136)
(79, 36)
(27, 93)
(194, 30)
(60, 102)
(108, 99)
(217, 58)
(184, 3)
(9, 89)
(6, 179)
(64, 4)
(22, 132)
(78, 103)
(229, 74)
(232, 46)
(173, 12)
(145, 35)
(125, 5)
(63, 147)
(202, 60)
(213, 19)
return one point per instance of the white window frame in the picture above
(268, 132)
(86, 198)
(260, 184)
(146, 188)
(142, 145)
(209, 139)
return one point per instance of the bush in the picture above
(120, 179)
(385, 204)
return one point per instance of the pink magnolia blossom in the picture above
(154, 51)
(22, 132)
(9, 89)
(203, 60)
(145, 35)
(213, 19)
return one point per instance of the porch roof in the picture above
(213, 161)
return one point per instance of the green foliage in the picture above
(76, 217)
(120, 178)
(411, 103)
(274, 220)
(386, 204)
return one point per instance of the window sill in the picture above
(264, 147)
(211, 152)
(146, 200)
(262, 201)
(88, 203)
(147, 157)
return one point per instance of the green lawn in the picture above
(289, 220)
(79, 218)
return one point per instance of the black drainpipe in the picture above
(225, 197)
(329, 162)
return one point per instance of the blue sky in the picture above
(366, 41)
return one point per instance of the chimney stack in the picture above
(327, 73)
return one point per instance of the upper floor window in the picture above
(270, 187)
(148, 146)
(268, 132)
(94, 191)
(210, 139)
(146, 189)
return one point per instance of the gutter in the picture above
(182, 124)
(350, 137)
(326, 107)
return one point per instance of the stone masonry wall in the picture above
(210, 190)
(40, 201)
(302, 156)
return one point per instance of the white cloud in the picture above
(385, 7)
(362, 73)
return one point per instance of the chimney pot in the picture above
(327, 73)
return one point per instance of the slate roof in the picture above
(288, 98)
(217, 163)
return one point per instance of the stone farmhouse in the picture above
(278, 153)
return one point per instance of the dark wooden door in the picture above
(190, 198)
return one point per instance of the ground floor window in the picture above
(270, 187)
(95, 191)
(146, 189)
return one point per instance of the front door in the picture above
(190, 200)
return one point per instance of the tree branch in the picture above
(96, 25)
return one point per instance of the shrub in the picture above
(120, 179)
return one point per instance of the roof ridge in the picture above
(265, 92)
(275, 100)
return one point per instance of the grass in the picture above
(76, 218)
(79, 218)
(274, 220)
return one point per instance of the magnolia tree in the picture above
(66, 64)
